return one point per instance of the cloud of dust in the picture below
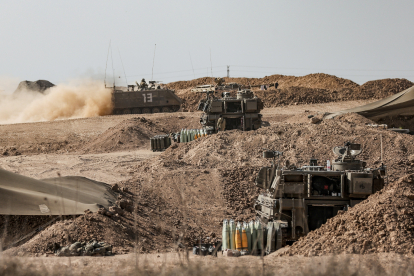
(78, 99)
(8, 84)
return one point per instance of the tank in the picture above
(299, 200)
(240, 112)
(143, 98)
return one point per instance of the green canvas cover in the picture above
(71, 195)
(399, 104)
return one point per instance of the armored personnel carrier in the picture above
(299, 200)
(144, 98)
(240, 112)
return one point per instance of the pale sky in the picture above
(63, 40)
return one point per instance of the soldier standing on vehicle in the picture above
(221, 124)
(143, 84)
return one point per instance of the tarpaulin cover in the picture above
(399, 104)
(21, 195)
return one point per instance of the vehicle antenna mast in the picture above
(192, 64)
(113, 69)
(211, 65)
(153, 60)
(106, 65)
(123, 67)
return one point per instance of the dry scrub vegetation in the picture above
(340, 265)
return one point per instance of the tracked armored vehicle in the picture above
(299, 200)
(143, 98)
(240, 112)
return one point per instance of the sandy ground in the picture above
(105, 167)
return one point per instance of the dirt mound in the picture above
(129, 134)
(379, 89)
(84, 228)
(14, 228)
(35, 86)
(381, 223)
(135, 133)
(319, 80)
(313, 88)
(315, 81)
(299, 141)
(271, 98)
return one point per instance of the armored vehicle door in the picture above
(250, 105)
(265, 177)
(234, 107)
(216, 107)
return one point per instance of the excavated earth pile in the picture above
(16, 227)
(382, 223)
(135, 133)
(319, 80)
(82, 228)
(313, 88)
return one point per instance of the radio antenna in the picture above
(211, 65)
(123, 67)
(153, 60)
(113, 70)
(106, 65)
(192, 64)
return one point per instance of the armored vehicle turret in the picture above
(299, 200)
(240, 112)
(144, 98)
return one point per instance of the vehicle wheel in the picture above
(176, 108)
(136, 111)
(166, 109)
(155, 110)
(127, 111)
(146, 110)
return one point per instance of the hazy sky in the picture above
(61, 40)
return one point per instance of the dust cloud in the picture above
(77, 99)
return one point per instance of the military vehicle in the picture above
(299, 200)
(240, 112)
(145, 98)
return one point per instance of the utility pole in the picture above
(228, 71)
